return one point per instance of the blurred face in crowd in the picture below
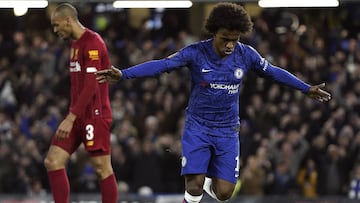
(61, 25)
(357, 171)
(225, 41)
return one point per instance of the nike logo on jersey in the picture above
(205, 70)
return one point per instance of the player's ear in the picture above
(68, 20)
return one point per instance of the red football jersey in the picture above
(89, 99)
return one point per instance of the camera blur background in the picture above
(291, 146)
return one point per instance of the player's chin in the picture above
(64, 37)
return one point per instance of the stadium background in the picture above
(293, 149)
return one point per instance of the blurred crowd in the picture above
(290, 144)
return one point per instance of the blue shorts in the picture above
(213, 151)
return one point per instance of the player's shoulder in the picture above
(247, 49)
(199, 47)
(92, 35)
(191, 50)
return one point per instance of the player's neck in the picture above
(78, 31)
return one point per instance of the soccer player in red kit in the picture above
(89, 118)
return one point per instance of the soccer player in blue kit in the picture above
(210, 141)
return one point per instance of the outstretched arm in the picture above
(318, 94)
(111, 75)
(146, 69)
(282, 76)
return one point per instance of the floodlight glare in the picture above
(27, 4)
(152, 4)
(298, 3)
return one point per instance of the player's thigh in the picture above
(71, 143)
(102, 165)
(225, 160)
(96, 136)
(196, 150)
(56, 158)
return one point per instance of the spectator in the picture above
(335, 172)
(307, 178)
(252, 178)
(282, 182)
(354, 189)
(147, 171)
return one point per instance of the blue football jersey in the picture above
(215, 81)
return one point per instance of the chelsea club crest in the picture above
(238, 73)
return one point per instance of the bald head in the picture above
(65, 22)
(66, 10)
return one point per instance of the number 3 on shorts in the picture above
(89, 135)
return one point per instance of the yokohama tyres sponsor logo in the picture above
(232, 89)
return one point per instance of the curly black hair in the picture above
(230, 16)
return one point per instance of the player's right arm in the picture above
(149, 68)
(145, 69)
(65, 126)
(109, 75)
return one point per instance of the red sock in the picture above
(109, 190)
(59, 185)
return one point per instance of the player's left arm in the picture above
(317, 92)
(93, 55)
(282, 76)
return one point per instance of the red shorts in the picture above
(94, 134)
